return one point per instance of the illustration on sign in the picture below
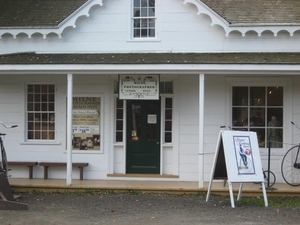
(139, 87)
(243, 154)
(86, 123)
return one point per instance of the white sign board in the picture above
(238, 154)
(132, 87)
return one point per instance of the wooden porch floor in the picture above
(51, 185)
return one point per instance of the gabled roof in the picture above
(262, 12)
(36, 13)
(53, 16)
(39, 13)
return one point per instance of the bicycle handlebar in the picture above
(13, 126)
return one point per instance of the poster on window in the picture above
(86, 121)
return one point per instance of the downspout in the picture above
(69, 129)
(201, 131)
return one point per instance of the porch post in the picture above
(69, 129)
(201, 131)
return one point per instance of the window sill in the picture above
(40, 143)
(84, 152)
(144, 40)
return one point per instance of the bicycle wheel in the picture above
(290, 166)
(4, 159)
(272, 178)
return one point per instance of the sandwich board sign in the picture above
(237, 160)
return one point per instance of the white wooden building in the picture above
(215, 62)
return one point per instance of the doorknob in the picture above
(157, 142)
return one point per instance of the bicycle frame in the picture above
(4, 166)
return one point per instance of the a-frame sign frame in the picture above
(237, 160)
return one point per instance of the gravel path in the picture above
(130, 209)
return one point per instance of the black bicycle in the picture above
(290, 166)
(269, 178)
(4, 166)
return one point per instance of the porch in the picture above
(52, 185)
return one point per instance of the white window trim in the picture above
(40, 141)
(130, 25)
(286, 83)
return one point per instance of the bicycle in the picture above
(290, 165)
(4, 166)
(269, 178)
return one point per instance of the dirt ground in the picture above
(132, 208)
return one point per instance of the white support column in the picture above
(69, 129)
(201, 131)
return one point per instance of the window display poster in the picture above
(86, 121)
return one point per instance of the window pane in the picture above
(119, 113)
(136, 3)
(144, 3)
(151, 12)
(275, 96)
(257, 96)
(168, 125)
(151, 3)
(260, 136)
(136, 13)
(257, 117)
(151, 32)
(277, 113)
(239, 116)
(169, 103)
(144, 12)
(137, 23)
(168, 137)
(240, 96)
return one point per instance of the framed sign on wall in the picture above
(133, 87)
(86, 123)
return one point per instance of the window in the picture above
(143, 18)
(168, 119)
(119, 120)
(259, 109)
(40, 112)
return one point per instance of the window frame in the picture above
(286, 83)
(132, 29)
(48, 112)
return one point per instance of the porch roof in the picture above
(32, 58)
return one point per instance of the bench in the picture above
(21, 163)
(46, 166)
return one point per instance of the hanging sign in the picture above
(132, 87)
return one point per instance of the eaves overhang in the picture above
(70, 21)
(242, 28)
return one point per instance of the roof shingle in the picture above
(36, 13)
(152, 58)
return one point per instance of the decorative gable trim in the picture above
(241, 28)
(45, 31)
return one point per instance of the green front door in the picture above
(143, 137)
